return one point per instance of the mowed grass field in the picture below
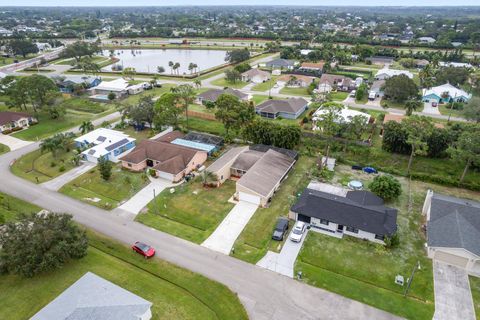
(175, 292)
(11, 208)
(4, 148)
(92, 189)
(192, 212)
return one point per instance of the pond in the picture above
(147, 60)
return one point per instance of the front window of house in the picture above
(352, 229)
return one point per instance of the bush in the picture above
(52, 164)
(386, 187)
(61, 169)
(393, 241)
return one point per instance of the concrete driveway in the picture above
(12, 142)
(136, 203)
(427, 108)
(284, 261)
(453, 297)
(58, 182)
(223, 238)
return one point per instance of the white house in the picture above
(386, 73)
(427, 40)
(118, 86)
(110, 144)
(445, 93)
(345, 115)
(359, 214)
(256, 76)
(453, 231)
(455, 64)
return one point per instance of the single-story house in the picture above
(376, 90)
(335, 82)
(92, 297)
(426, 40)
(43, 46)
(421, 63)
(118, 86)
(295, 80)
(312, 66)
(381, 61)
(455, 64)
(444, 94)
(103, 142)
(399, 118)
(453, 231)
(256, 76)
(385, 73)
(67, 83)
(359, 214)
(344, 116)
(200, 141)
(283, 64)
(289, 109)
(213, 94)
(138, 88)
(170, 161)
(258, 169)
(13, 121)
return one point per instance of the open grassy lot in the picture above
(255, 239)
(200, 108)
(11, 208)
(193, 212)
(47, 126)
(139, 135)
(338, 95)
(40, 167)
(365, 271)
(294, 91)
(222, 82)
(392, 104)
(85, 105)
(475, 286)
(91, 188)
(5, 61)
(175, 292)
(257, 99)
(265, 86)
(4, 148)
(155, 92)
(446, 111)
(202, 125)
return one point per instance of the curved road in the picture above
(265, 294)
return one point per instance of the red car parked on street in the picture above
(144, 249)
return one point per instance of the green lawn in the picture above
(139, 135)
(446, 111)
(338, 95)
(294, 91)
(175, 292)
(222, 82)
(265, 86)
(4, 148)
(257, 99)
(11, 208)
(202, 125)
(85, 105)
(47, 126)
(92, 189)
(4, 61)
(475, 286)
(40, 167)
(255, 239)
(345, 265)
(193, 212)
(392, 104)
(155, 92)
(200, 108)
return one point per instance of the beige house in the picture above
(170, 161)
(258, 170)
(453, 231)
(295, 80)
(255, 76)
(13, 121)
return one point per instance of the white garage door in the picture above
(451, 259)
(249, 198)
(164, 175)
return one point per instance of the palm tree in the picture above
(160, 69)
(195, 66)
(412, 105)
(197, 83)
(86, 126)
(187, 96)
(191, 66)
(208, 178)
(176, 66)
(170, 64)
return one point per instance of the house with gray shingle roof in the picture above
(453, 231)
(94, 298)
(213, 94)
(290, 108)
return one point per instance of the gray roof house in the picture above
(453, 231)
(94, 298)
(359, 214)
(290, 108)
(213, 94)
(280, 64)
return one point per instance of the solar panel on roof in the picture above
(91, 152)
(101, 138)
(117, 144)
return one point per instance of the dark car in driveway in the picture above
(144, 249)
(280, 229)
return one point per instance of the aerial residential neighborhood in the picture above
(239, 161)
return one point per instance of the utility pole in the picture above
(417, 266)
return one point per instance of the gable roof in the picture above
(256, 72)
(247, 159)
(393, 72)
(266, 173)
(213, 94)
(280, 63)
(454, 223)
(292, 105)
(92, 297)
(359, 209)
(333, 79)
(116, 85)
(299, 77)
(10, 116)
(453, 91)
(173, 158)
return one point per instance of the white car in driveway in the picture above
(298, 231)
